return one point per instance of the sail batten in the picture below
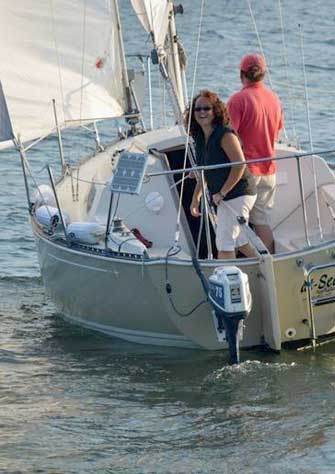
(63, 50)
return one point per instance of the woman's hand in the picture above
(191, 175)
(217, 198)
(194, 208)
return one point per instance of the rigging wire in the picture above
(318, 218)
(258, 38)
(262, 51)
(305, 86)
(31, 174)
(177, 233)
(54, 103)
(300, 88)
(57, 54)
(83, 60)
(289, 91)
(161, 85)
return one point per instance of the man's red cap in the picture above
(250, 60)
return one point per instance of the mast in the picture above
(158, 19)
(173, 40)
(170, 67)
(125, 78)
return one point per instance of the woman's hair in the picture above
(220, 112)
(253, 74)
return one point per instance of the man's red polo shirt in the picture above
(256, 115)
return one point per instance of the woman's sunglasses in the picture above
(205, 109)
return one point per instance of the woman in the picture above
(231, 188)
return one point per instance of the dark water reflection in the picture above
(76, 402)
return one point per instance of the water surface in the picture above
(73, 401)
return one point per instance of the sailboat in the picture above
(118, 250)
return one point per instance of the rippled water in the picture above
(76, 402)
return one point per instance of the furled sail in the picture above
(154, 16)
(66, 50)
(157, 17)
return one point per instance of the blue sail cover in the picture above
(6, 131)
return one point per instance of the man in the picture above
(256, 115)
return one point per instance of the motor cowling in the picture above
(231, 299)
(229, 292)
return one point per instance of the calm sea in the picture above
(76, 402)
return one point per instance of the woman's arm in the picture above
(231, 146)
(197, 193)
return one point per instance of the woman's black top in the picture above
(213, 154)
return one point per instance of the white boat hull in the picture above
(127, 299)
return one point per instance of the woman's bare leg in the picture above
(226, 254)
(247, 250)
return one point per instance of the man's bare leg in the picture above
(264, 232)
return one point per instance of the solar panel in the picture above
(129, 173)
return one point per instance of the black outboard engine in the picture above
(230, 296)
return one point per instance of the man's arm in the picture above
(234, 111)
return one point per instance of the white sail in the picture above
(66, 50)
(154, 16)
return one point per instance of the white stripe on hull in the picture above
(139, 337)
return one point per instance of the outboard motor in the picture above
(230, 296)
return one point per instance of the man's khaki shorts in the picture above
(260, 214)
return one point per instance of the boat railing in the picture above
(298, 157)
(301, 196)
